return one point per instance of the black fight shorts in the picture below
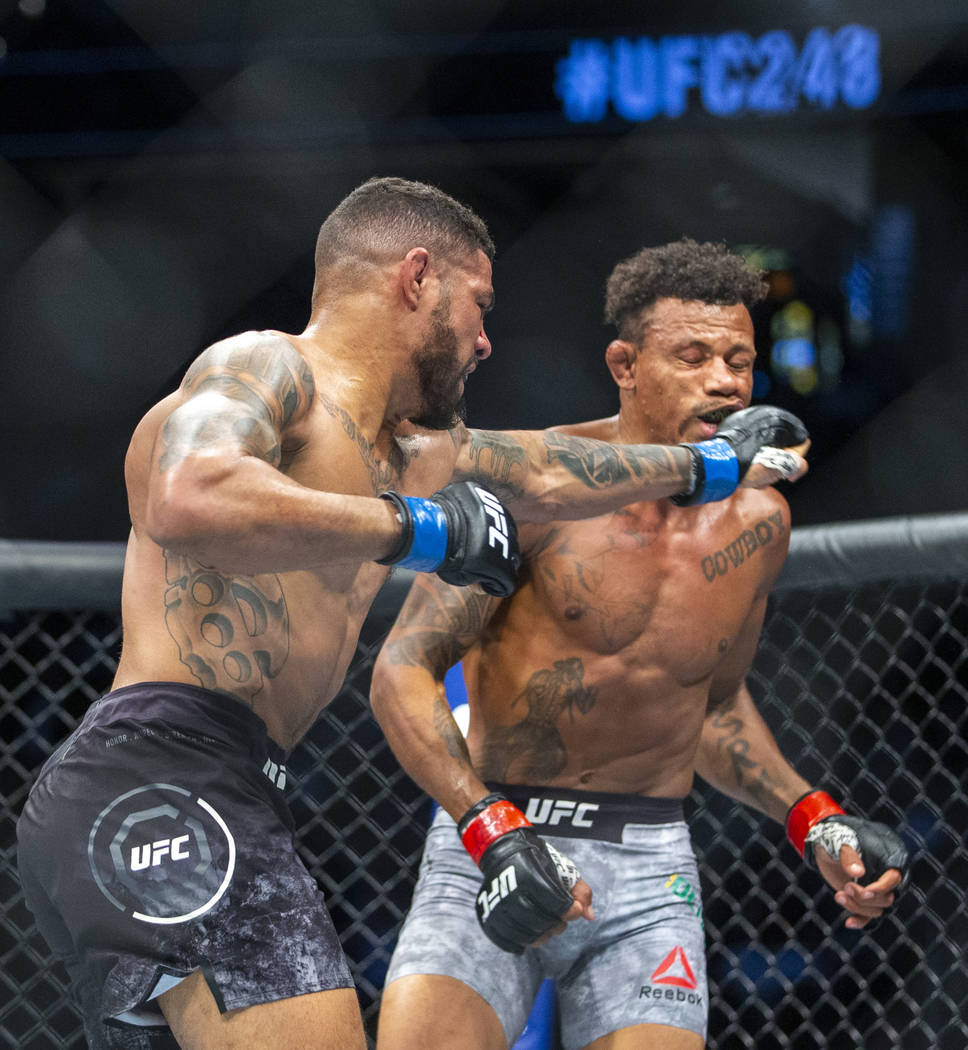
(157, 841)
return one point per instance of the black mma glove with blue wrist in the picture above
(463, 533)
(721, 463)
(527, 882)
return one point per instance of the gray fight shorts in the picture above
(157, 841)
(642, 959)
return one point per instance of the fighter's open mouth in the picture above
(715, 418)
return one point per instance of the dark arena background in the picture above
(164, 167)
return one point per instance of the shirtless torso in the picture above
(279, 642)
(624, 631)
(251, 563)
(613, 674)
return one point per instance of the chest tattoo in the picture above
(746, 544)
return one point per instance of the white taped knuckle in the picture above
(831, 835)
(786, 464)
(567, 871)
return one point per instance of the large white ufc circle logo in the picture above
(160, 854)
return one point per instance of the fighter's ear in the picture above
(413, 274)
(620, 356)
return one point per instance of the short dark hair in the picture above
(390, 215)
(683, 269)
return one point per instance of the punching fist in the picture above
(463, 533)
(850, 848)
(720, 463)
(527, 882)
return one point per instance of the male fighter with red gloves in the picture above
(613, 674)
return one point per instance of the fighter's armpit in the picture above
(242, 393)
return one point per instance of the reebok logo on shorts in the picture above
(677, 976)
(675, 969)
(160, 854)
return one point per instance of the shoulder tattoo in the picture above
(743, 547)
(261, 384)
(383, 475)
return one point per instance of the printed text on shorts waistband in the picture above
(588, 814)
(179, 704)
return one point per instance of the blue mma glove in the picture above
(463, 533)
(720, 463)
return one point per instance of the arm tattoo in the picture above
(597, 464)
(494, 456)
(748, 774)
(436, 650)
(259, 383)
(437, 625)
(446, 728)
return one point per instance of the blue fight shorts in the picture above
(157, 841)
(642, 959)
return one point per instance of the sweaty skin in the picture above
(626, 630)
(619, 663)
(600, 673)
(250, 562)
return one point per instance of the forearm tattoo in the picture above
(500, 461)
(262, 383)
(447, 730)
(733, 745)
(597, 464)
(534, 748)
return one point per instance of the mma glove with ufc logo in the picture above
(463, 533)
(527, 882)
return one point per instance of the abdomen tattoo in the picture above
(533, 749)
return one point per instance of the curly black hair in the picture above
(684, 269)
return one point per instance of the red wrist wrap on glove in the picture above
(805, 812)
(490, 824)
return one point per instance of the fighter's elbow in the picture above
(382, 688)
(179, 517)
(394, 685)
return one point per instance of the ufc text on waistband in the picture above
(588, 814)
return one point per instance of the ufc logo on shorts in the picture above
(498, 533)
(501, 886)
(554, 811)
(152, 853)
